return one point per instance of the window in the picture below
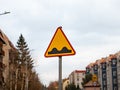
(96, 67)
(104, 82)
(108, 64)
(87, 70)
(104, 66)
(115, 88)
(114, 62)
(104, 88)
(104, 75)
(115, 81)
(114, 73)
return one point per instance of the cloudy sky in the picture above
(92, 27)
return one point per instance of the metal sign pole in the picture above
(60, 73)
(53, 50)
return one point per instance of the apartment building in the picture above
(108, 71)
(6, 50)
(2, 66)
(76, 77)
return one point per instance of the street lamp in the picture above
(4, 13)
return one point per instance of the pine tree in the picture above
(87, 78)
(24, 53)
(25, 63)
(71, 87)
(26, 78)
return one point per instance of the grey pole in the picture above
(60, 73)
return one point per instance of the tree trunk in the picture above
(22, 84)
(16, 79)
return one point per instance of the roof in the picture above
(102, 60)
(90, 65)
(6, 40)
(112, 56)
(2, 40)
(91, 84)
(1, 37)
(106, 59)
(80, 71)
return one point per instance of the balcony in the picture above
(2, 53)
(2, 67)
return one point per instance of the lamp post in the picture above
(4, 13)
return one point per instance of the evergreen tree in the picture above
(87, 78)
(24, 53)
(25, 63)
(71, 87)
(26, 78)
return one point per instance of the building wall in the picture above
(109, 76)
(1, 64)
(6, 62)
(65, 83)
(7, 47)
(76, 77)
(100, 75)
(112, 72)
(71, 78)
(92, 88)
(118, 69)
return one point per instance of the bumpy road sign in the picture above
(94, 78)
(59, 45)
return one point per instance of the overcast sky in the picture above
(92, 27)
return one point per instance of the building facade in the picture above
(76, 77)
(108, 71)
(2, 65)
(6, 55)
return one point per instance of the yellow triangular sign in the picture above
(59, 45)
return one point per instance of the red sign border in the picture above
(52, 41)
